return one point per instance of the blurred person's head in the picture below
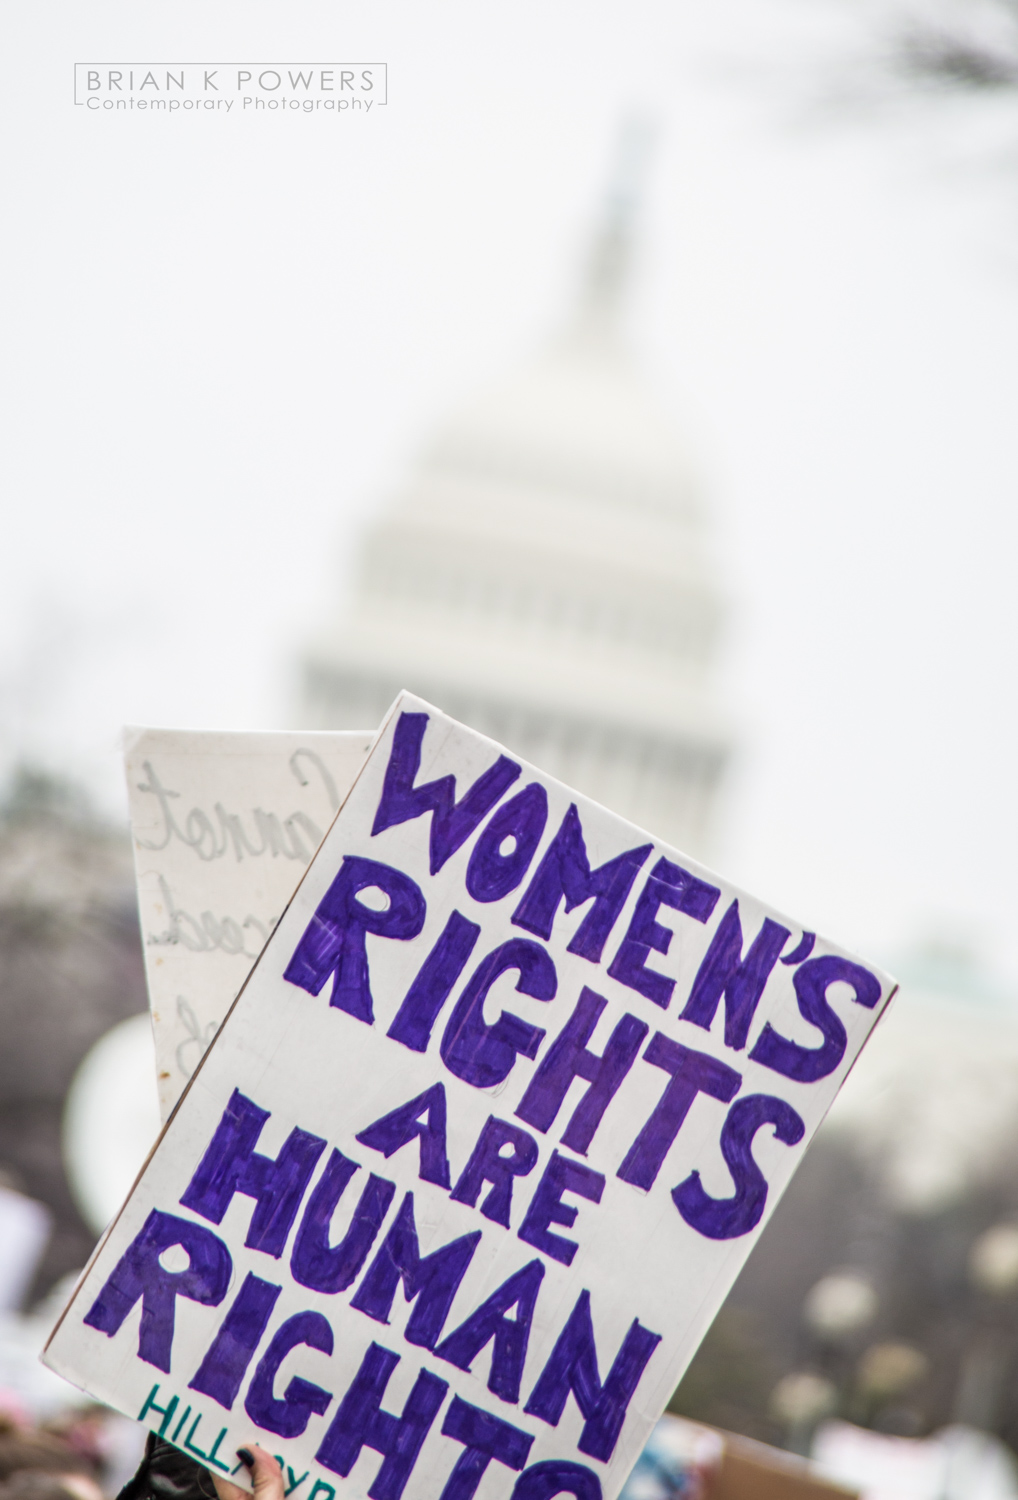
(37, 1484)
(27, 1449)
(83, 1430)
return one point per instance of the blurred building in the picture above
(545, 575)
(933, 1109)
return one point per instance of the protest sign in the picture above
(479, 1150)
(224, 826)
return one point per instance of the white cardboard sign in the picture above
(477, 1154)
(224, 826)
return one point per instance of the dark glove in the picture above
(165, 1473)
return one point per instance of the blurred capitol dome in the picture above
(544, 575)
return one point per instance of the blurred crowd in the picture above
(84, 1454)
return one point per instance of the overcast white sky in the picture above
(224, 336)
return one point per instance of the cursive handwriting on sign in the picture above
(207, 933)
(212, 836)
(193, 1048)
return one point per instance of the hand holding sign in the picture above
(267, 1479)
(483, 1143)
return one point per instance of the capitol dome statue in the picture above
(544, 575)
